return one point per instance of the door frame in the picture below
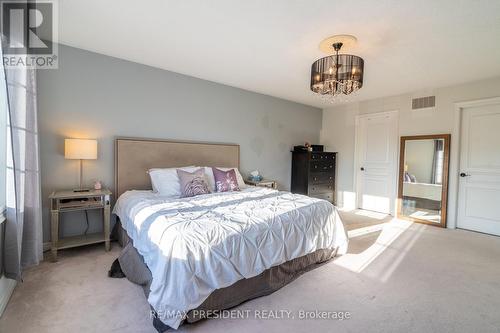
(395, 163)
(456, 146)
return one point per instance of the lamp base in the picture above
(76, 190)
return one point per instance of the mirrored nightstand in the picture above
(263, 183)
(69, 201)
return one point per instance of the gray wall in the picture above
(95, 96)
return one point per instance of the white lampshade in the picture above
(80, 149)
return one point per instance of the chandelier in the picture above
(339, 73)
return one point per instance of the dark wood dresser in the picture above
(313, 174)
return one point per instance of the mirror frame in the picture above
(446, 164)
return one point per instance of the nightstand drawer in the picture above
(263, 183)
(80, 204)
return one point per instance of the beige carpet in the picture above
(397, 278)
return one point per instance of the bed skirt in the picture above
(267, 282)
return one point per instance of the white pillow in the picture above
(166, 181)
(211, 179)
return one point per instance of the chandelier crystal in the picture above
(338, 74)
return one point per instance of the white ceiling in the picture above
(268, 46)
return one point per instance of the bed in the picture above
(423, 190)
(213, 251)
(422, 195)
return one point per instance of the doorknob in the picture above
(362, 169)
(463, 174)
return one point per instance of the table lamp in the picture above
(80, 149)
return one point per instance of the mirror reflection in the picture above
(423, 176)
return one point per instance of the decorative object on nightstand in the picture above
(255, 176)
(263, 183)
(80, 149)
(313, 173)
(69, 201)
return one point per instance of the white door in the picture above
(479, 181)
(376, 174)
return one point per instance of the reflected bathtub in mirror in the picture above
(423, 178)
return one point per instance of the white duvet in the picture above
(194, 246)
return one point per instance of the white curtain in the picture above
(23, 245)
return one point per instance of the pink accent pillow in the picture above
(225, 181)
(192, 183)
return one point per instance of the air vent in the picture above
(423, 102)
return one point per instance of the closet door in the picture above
(479, 181)
(376, 148)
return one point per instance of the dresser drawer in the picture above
(320, 188)
(324, 196)
(321, 178)
(321, 166)
(323, 157)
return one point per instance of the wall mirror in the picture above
(423, 178)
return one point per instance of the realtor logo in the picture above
(29, 34)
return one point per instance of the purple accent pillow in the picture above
(225, 181)
(192, 183)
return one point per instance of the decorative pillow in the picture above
(225, 181)
(192, 183)
(166, 182)
(211, 179)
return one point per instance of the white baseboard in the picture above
(6, 288)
